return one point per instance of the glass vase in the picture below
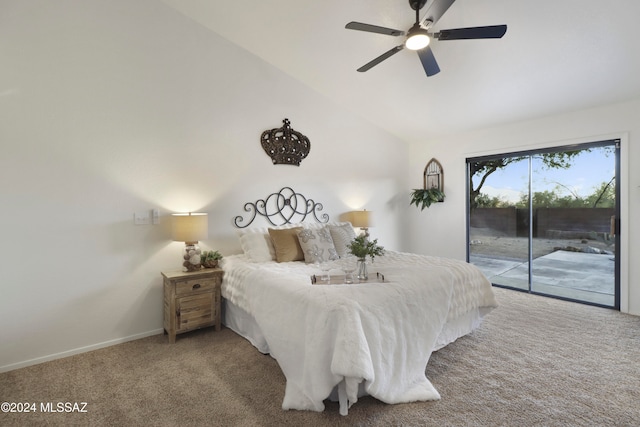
(362, 269)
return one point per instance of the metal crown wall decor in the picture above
(284, 145)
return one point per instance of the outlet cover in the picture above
(141, 218)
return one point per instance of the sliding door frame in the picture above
(614, 142)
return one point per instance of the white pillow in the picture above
(317, 244)
(342, 234)
(256, 244)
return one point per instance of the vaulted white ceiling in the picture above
(557, 56)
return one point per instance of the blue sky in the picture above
(588, 171)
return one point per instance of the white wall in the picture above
(429, 236)
(115, 107)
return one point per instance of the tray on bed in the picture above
(338, 279)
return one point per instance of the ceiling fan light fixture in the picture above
(417, 38)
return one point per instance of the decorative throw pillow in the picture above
(317, 245)
(342, 235)
(285, 242)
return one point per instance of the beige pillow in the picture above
(286, 244)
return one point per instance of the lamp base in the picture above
(192, 260)
(365, 231)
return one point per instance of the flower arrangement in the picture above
(362, 247)
(210, 259)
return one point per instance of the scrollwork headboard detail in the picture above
(284, 207)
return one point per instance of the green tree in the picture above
(541, 199)
(479, 171)
(485, 201)
(604, 196)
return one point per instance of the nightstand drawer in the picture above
(195, 311)
(185, 287)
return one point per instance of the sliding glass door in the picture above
(498, 235)
(546, 221)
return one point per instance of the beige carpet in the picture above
(534, 361)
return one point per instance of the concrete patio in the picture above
(576, 275)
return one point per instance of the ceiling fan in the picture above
(419, 36)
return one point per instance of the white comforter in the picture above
(380, 333)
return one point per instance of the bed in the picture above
(339, 341)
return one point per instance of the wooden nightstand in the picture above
(191, 300)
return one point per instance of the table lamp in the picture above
(362, 220)
(190, 228)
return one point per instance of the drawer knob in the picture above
(196, 286)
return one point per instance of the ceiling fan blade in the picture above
(373, 29)
(488, 32)
(429, 62)
(380, 58)
(435, 10)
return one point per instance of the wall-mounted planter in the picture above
(423, 198)
(433, 185)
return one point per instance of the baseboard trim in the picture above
(48, 358)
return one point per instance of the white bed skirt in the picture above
(243, 324)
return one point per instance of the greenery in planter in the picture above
(210, 258)
(423, 198)
(362, 247)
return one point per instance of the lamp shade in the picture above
(189, 227)
(361, 219)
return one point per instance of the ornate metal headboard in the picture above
(284, 207)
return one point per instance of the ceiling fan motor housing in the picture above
(417, 4)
